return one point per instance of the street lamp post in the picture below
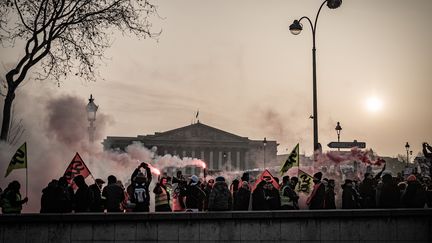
(296, 27)
(338, 131)
(264, 148)
(91, 116)
(407, 147)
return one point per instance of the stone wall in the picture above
(287, 226)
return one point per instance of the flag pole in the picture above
(26, 168)
(26, 181)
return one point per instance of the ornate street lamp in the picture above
(295, 28)
(338, 131)
(407, 147)
(264, 146)
(91, 116)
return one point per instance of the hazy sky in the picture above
(237, 62)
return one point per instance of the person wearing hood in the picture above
(220, 197)
(243, 197)
(258, 197)
(316, 199)
(11, 199)
(139, 191)
(194, 195)
(415, 195)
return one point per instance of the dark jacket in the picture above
(140, 194)
(243, 198)
(97, 203)
(194, 197)
(207, 191)
(258, 197)
(220, 197)
(389, 196)
(317, 197)
(348, 198)
(414, 196)
(329, 199)
(50, 198)
(272, 198)
(114, 195)
(82, 199)
(367, 193)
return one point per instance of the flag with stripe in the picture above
(19, 160)
(75, 168)
(292, 160)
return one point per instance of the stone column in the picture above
(237, 160)
(211, 166)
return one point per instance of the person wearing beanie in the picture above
(220, 197)
(316, 199)
(415, 195)
(194, 195)
(243, 197)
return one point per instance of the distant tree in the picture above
(63, 37)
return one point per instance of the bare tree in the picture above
(63, 37)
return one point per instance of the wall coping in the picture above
(232, 215)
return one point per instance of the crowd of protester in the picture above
(193, 194)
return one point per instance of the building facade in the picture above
(220, 150)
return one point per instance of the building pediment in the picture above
(197, 132)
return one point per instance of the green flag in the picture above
(19, 160)
(292, 160)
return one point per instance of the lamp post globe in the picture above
(333, 4)
(91, 109)
(407, 147)
(295, 28)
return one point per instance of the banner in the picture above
(76, 167)
(305, 183)
(267, 177)
(292, 160)
(19, 160)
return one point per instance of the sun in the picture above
(374, 104)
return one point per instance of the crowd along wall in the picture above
(287, 226)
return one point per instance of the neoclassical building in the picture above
(219, 149)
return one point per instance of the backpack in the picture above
(140, 193)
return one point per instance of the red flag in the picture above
(76, 167)
(267, 177)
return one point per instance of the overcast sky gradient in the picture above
(237, 62)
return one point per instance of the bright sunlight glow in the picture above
(374, 104)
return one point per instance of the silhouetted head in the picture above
(285, 179)
(317, 176)
(387, 178)
(112, 179)
(14, 186)
(62, 181)
(245, 177)
(79, 180)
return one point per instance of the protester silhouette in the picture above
(139, 194)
